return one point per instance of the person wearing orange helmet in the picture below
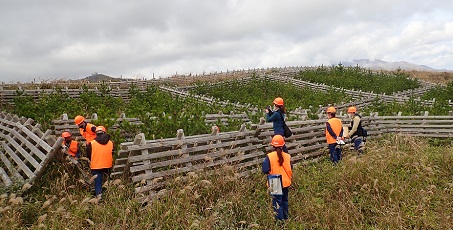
(70, 145)
(87, 130)
(277, 117)
(100, 153)
(334, 134)
(357, 132)
(277, 164)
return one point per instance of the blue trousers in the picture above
(98, 179)
(280, 204)
(358, 144)
(335, 152)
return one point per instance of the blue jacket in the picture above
(277, 121)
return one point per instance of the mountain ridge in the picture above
(378, 64)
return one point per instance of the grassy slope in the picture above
(401, 183)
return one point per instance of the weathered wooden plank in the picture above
(23, 152)
(190, 149)
(29, 145)
(191, 141)
(384, 122)
(414, 117)
(13, 172)
(417, 130)
(183, 169)
(191, 158)
(35, 138)
(5, 177)
(18, 161)
(419, 126)
(449, 135)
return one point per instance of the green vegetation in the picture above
(261, 92)
(400, 182)
(358, 78)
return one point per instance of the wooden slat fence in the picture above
(419, 126)
(25, 150)
(153, 163)
(209, 100)
(221, 118)
(7, 96)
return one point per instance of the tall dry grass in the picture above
(400, 183)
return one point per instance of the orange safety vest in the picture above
(284, 170)
(336, 126)
(73, 147)
(101, 155)
(88, 134)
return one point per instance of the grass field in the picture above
(400, 183)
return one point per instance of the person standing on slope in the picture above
(357, 132)
(278, 163)
(100, 153)
(334, 134)
(277, 117)
(87, 130)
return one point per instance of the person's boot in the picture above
(359, 153)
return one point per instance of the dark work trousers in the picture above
(280, 204)
(98, 180)
(335, 152)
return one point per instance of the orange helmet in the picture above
(278, 141)
(352, 109)
(79, 119)
(331, 109)
(100, 129)
(278, 101)
(66, 134)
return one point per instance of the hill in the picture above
(95, 77)
(377, 64)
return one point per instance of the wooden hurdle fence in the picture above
(150, 164)
(25, 150)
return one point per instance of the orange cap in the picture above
(278, 101)
(66, 134)
(79, 119)
(352, 109)
(100, 129)
(278, 141)
(331, 110)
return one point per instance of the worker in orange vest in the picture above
(277, 165)
(334, 134)
(100, 153)
(70, 145)
(87, 130)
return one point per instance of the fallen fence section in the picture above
(25, 150)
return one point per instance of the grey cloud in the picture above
(45, 39)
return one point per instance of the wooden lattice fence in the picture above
(25, 150)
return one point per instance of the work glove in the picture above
(340, 141)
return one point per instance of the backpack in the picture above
(365, 134)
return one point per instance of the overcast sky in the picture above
(42, 40)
